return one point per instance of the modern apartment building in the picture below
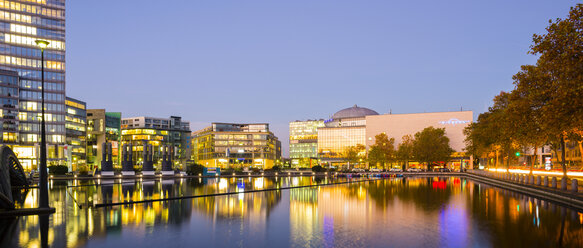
(303, 142)
(21, 23)
(76, 132)
(159, 132)
(102, 127)
(233, 145)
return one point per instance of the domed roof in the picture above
(353, 112)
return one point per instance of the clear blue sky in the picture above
(279, 61)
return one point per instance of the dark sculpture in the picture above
(147, 157)
(127, 163)
(106, 157)
(167, 152)
(11, 175)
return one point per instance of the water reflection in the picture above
(410, 212)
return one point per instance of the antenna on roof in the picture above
(390, 111)
(462, 108)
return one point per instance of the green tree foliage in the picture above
(560, 63)
(354, 154)
(431, 146)
(495, 131)
(546, 105)
(404, 151)
(524, 108)
(383, 150)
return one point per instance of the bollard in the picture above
(564, 183)
(531, 180)
(546, 181)
(574, 185)
(538, 180)
(554, 183)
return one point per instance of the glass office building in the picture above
(346, 128)
(76, 132)
(303, 142)
(21, 23)
(231, 145)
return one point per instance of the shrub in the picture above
(83, 170)
(275, 168)
(194, 169)
(318, 168)
(58, 169)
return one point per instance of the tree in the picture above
(503, 124)
(431, 145)
(404, 152)
(354, 154)
(560, 62)
(524, 110)
(382, 151)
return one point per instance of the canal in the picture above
(395, 212)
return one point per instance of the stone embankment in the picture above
(565, 191)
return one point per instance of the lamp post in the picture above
(44, 191)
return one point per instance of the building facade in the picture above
(346, 128)
(231, 145)
(303, 142)
(158, 132)
(359, 126)
(76, 133)
(102, 127)
(21, 23)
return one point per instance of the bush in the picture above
(83, 170)
(58, 169)
(275, 168)
(318, 168)
(194, 169)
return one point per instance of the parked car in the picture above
(357, 170)
(414, 170)
(441, 170)
(375, 170)
(395, 170)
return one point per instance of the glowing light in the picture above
(555, 173)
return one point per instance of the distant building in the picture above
(76, 133)
(359, 126)
(171, 132)
(232, 145)
(346, 128)
(102, 127)
(303, 142)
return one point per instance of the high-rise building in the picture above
(303, 142)
(171, 132)
(76, 132)
(231, 145)
(21, 23)
(102, 127)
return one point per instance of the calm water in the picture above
(404, 212)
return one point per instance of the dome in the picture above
(353, 112)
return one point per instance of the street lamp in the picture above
(44, 191)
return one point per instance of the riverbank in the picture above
(566, 197)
